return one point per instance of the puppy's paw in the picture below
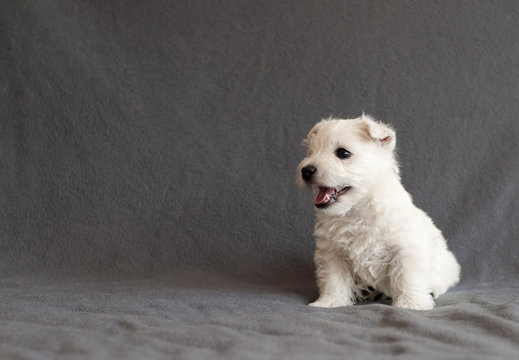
(330, 302)
(415, 303)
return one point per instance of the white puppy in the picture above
(369, 234)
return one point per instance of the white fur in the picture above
(373, 234)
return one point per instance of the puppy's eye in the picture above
(342, 153)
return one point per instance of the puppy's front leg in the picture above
(334, 279)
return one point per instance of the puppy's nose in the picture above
(307, 172)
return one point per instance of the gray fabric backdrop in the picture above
(140, 138)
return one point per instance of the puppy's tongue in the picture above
(325, 194)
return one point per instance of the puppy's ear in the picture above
(316, 127)
(313, 132)
(381, 133)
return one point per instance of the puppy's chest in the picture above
(362, 246)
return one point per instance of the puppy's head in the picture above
(345, 160)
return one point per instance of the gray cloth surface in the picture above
(156, 140)
(218, 319)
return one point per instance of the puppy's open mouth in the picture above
(327, 196)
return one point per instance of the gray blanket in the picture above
(216, 319)
(147, 166)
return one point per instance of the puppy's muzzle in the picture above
(307, 172)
